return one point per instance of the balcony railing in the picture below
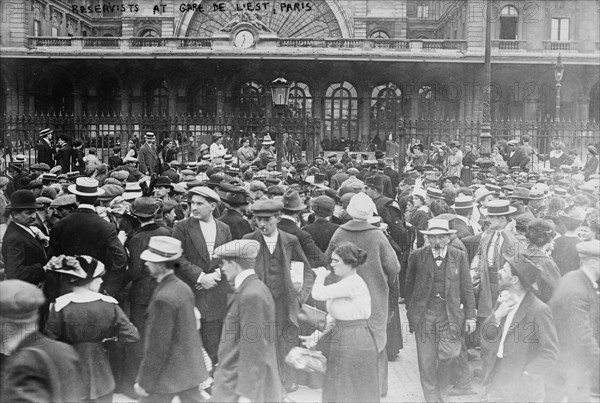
(149, 42)
(195, 43)
(508, 44)
(559, 45)
(444, 44)
(103, 42)
(43, 41)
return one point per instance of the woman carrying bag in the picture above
(347, 342)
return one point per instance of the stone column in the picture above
(364, 115)
(77, 102)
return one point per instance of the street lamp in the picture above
(558, 75)
(280, 90)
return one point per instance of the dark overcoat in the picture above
(321, 231)
(85, 233)
(24, 256)
(196, 260)
(45, 153)
(247, 351)
(41, 370)
(531, 346)
(173, 360)
(238, 225)
(63, 158)
(315, 256)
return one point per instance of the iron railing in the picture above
(20, 133)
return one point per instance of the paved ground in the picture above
(403, 379)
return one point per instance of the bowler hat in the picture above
(292, 202)
(162, 249)
(163, 181)
(23, 200)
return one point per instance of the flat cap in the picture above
(111, 191)
(64, 200)
(19, 301)
(324, 206)
(43, 200)
(238, 249)
(589, 248)
(257, 185)
(266, 208)
(205, 192)
(145, 207)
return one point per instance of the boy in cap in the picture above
(322, 228)
(248, 367)
(37, 369)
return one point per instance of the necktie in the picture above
(492, 253)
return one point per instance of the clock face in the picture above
(244, 39)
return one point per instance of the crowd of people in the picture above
(204, 280)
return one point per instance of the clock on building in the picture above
(244, 39)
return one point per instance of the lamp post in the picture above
(558, 75)
(485, 162)
(280, 90)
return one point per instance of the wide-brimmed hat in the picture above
(79, 267)
(436, 226)
(528, 270)
(162, 249)
(500, 208)
(23, 200)
(292, 202)
(86, 187)
(592, 149)
(234, 195)
(73, 175)
(267, 141)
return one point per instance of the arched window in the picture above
(157, 99)
(509, 17)
(559, 29)
(251, 98)
(149, 33)
(109, 97)
(386, 110)
(300, 100)
(204, 99)
(341, 111)
(379, 34)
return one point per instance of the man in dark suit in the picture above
(440, 302)
(519, 344)
(283, 267)
(463, 207)
(248, 365)
(63, 154)
(22, 247)
(322, 229)
(236, 199)
(173, 364)
(515, 157)
(37, 368)
(45, 151)
(292, 206)
(388, 190)
(199, 235)
(575, 308)
(148, 159)
(85, 233)
(142, 283)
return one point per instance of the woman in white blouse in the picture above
(347, 342)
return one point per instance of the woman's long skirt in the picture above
(352, 374)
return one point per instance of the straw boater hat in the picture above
(267, 141)
(435, 226)
(86, 187)
(150, 135)
(500, 208)
(162, 249)
(463, 203)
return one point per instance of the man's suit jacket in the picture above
(321, 231)
(238, 225)
(142, 283)
(63, 158)
(531, 346)
(24, 256)
(173, 360)
(518, 159)
(388, 189)
(248, 365)
(292, 252)
(41, 370)
(575, 309)
(45, 153)
(462, 229)
(196, 260)
(315, 256)
(148, 159)
(395, 178)
(459, 290)
(85, 233)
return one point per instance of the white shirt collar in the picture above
(294, 219)
(81, 297)
(87, 206)
(242, 276)
(594, 283)
(442, 253)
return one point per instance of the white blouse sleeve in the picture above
(341, 289)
